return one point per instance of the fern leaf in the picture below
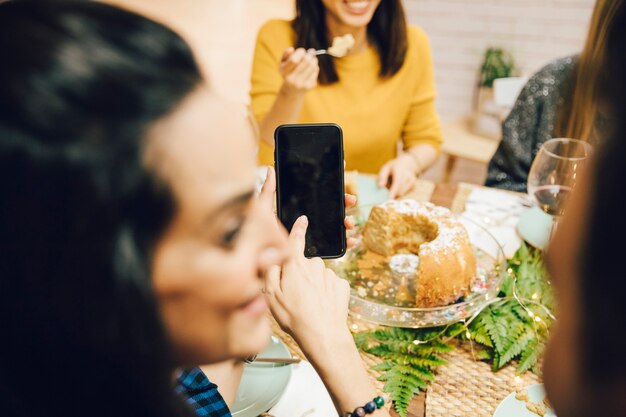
(420, 372)
(495, 328)
(361, 340)
(519, 312)
(496, 361)
(402, 387)
(517, 347)
(427, 362)
(530, 356)
(438, 346)
(384, 366)
(484, 354)
(482, 338)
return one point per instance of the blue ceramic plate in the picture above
(534, 227)
(512, 407)
(370, 193)
(262, 384)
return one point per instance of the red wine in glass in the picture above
(552, 198)
(555, 170)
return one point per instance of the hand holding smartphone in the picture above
(309, 176)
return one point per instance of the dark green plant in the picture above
(497, 63)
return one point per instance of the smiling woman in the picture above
(131, 239)
(381, 92)
(210, 263)
(81, 83)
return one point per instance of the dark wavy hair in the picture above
(80, 84)
(603, 286)
(387, 32)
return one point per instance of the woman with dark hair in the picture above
(79, 85)
(381, 92)
(584, 367)
(559, 101)
(131, 243)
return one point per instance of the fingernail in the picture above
(304, 220)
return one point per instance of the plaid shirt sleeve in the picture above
(201, 394)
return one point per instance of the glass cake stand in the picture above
(367, 302)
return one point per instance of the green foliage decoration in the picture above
(497, 63)
(409, 359)
(516, 327)
(512, 328)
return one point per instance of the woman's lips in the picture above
(255, 307)
(357, 7)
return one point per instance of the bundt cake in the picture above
(418, 250)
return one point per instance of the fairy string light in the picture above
(536, 318)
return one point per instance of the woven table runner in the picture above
(466, 387)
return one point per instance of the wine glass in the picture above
(554, 173)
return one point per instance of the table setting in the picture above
(450, 392)
(479, 355)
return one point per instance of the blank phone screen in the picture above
(309, 168)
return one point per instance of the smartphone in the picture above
(309, 180)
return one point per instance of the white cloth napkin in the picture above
(305, 395)
(498, 212)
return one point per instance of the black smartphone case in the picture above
(312, 127)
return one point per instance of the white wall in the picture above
(222, 34)
(535, 31)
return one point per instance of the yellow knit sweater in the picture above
(373, 112)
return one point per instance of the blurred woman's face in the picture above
(561, 365)
(209, 265)
(351, 13)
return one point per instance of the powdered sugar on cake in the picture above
(449, 228)
(404, 263)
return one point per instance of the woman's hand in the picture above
(399, 175)
(311, 304)
(299, 71)
(307, 299)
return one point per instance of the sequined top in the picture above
(530, 123)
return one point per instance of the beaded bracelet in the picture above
(368, 408)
